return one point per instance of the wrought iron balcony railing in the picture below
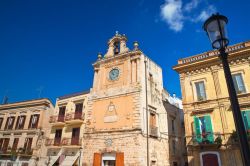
(71, 141)
(56, 118)
(74, 116)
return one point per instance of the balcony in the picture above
(57, 120)
(74, 118)
(53, 142)
(71, 142)
(153, 131)
(15, 152)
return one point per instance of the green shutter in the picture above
(198, 136)
(209, 129)
(246, 119)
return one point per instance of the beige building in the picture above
(209, 124)
(23, 129)
(64, 144)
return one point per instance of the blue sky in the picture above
(51, 44)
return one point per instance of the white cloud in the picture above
(191, 5)
(205, 13)
(172, 14)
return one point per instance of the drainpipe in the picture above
(145, 61)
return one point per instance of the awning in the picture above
(53, 159)
(70, 160)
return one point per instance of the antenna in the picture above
(40, 89)
(5, 100)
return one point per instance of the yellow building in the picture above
(23, 129)
(64, 143)
(209, 124)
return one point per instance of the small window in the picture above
(200, 91)
(239, 83)
(173, 127)
(173, 146)
(1, 122)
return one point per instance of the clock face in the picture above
(113, 74)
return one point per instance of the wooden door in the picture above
(97, 159)
(119, 159)
(210, 160)
(61, 114)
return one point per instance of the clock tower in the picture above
(117, 117)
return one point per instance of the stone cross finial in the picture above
(116, 33)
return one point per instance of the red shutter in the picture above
(6, 124)
(97, 159)
(30, 121)
(17, 122)
(1, 143)
(29, 144)
(5, 144)
(119, 159)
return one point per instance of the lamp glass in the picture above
(215, 27)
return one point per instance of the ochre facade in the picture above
(209, 124)
(24, 127)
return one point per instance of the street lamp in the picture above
(215, 26)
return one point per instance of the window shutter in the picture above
(31, 117)
(97, 159)
(37, 120)
(13, 121)
(17, 122)
(209, 129)
(119, 159)
(15, 143)
(1, 122)
(197, 129)
(6, 124)
(246, 119)
(24, 118)
(235, 83)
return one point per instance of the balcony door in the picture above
(58, 137)
(78, 111)
(75, 136)
(61, 114)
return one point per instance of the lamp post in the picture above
(215, 26)
(80, 155)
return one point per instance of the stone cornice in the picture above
(236, 52)
(29, 103)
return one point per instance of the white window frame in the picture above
(242, 77)
(193, 83)
(108, 156)
(210, 152)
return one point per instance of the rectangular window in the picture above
(173, 127)
(9, 123)
(174, 148)
(27, 145)
(20, 122)
(238, 83)
(75, 136)
(5, 144)
(152, 120)
(34, 119)
(203, 129)
(200, 91)
(61, 114)
(58, 137)
(246, 119)
(78, 111)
